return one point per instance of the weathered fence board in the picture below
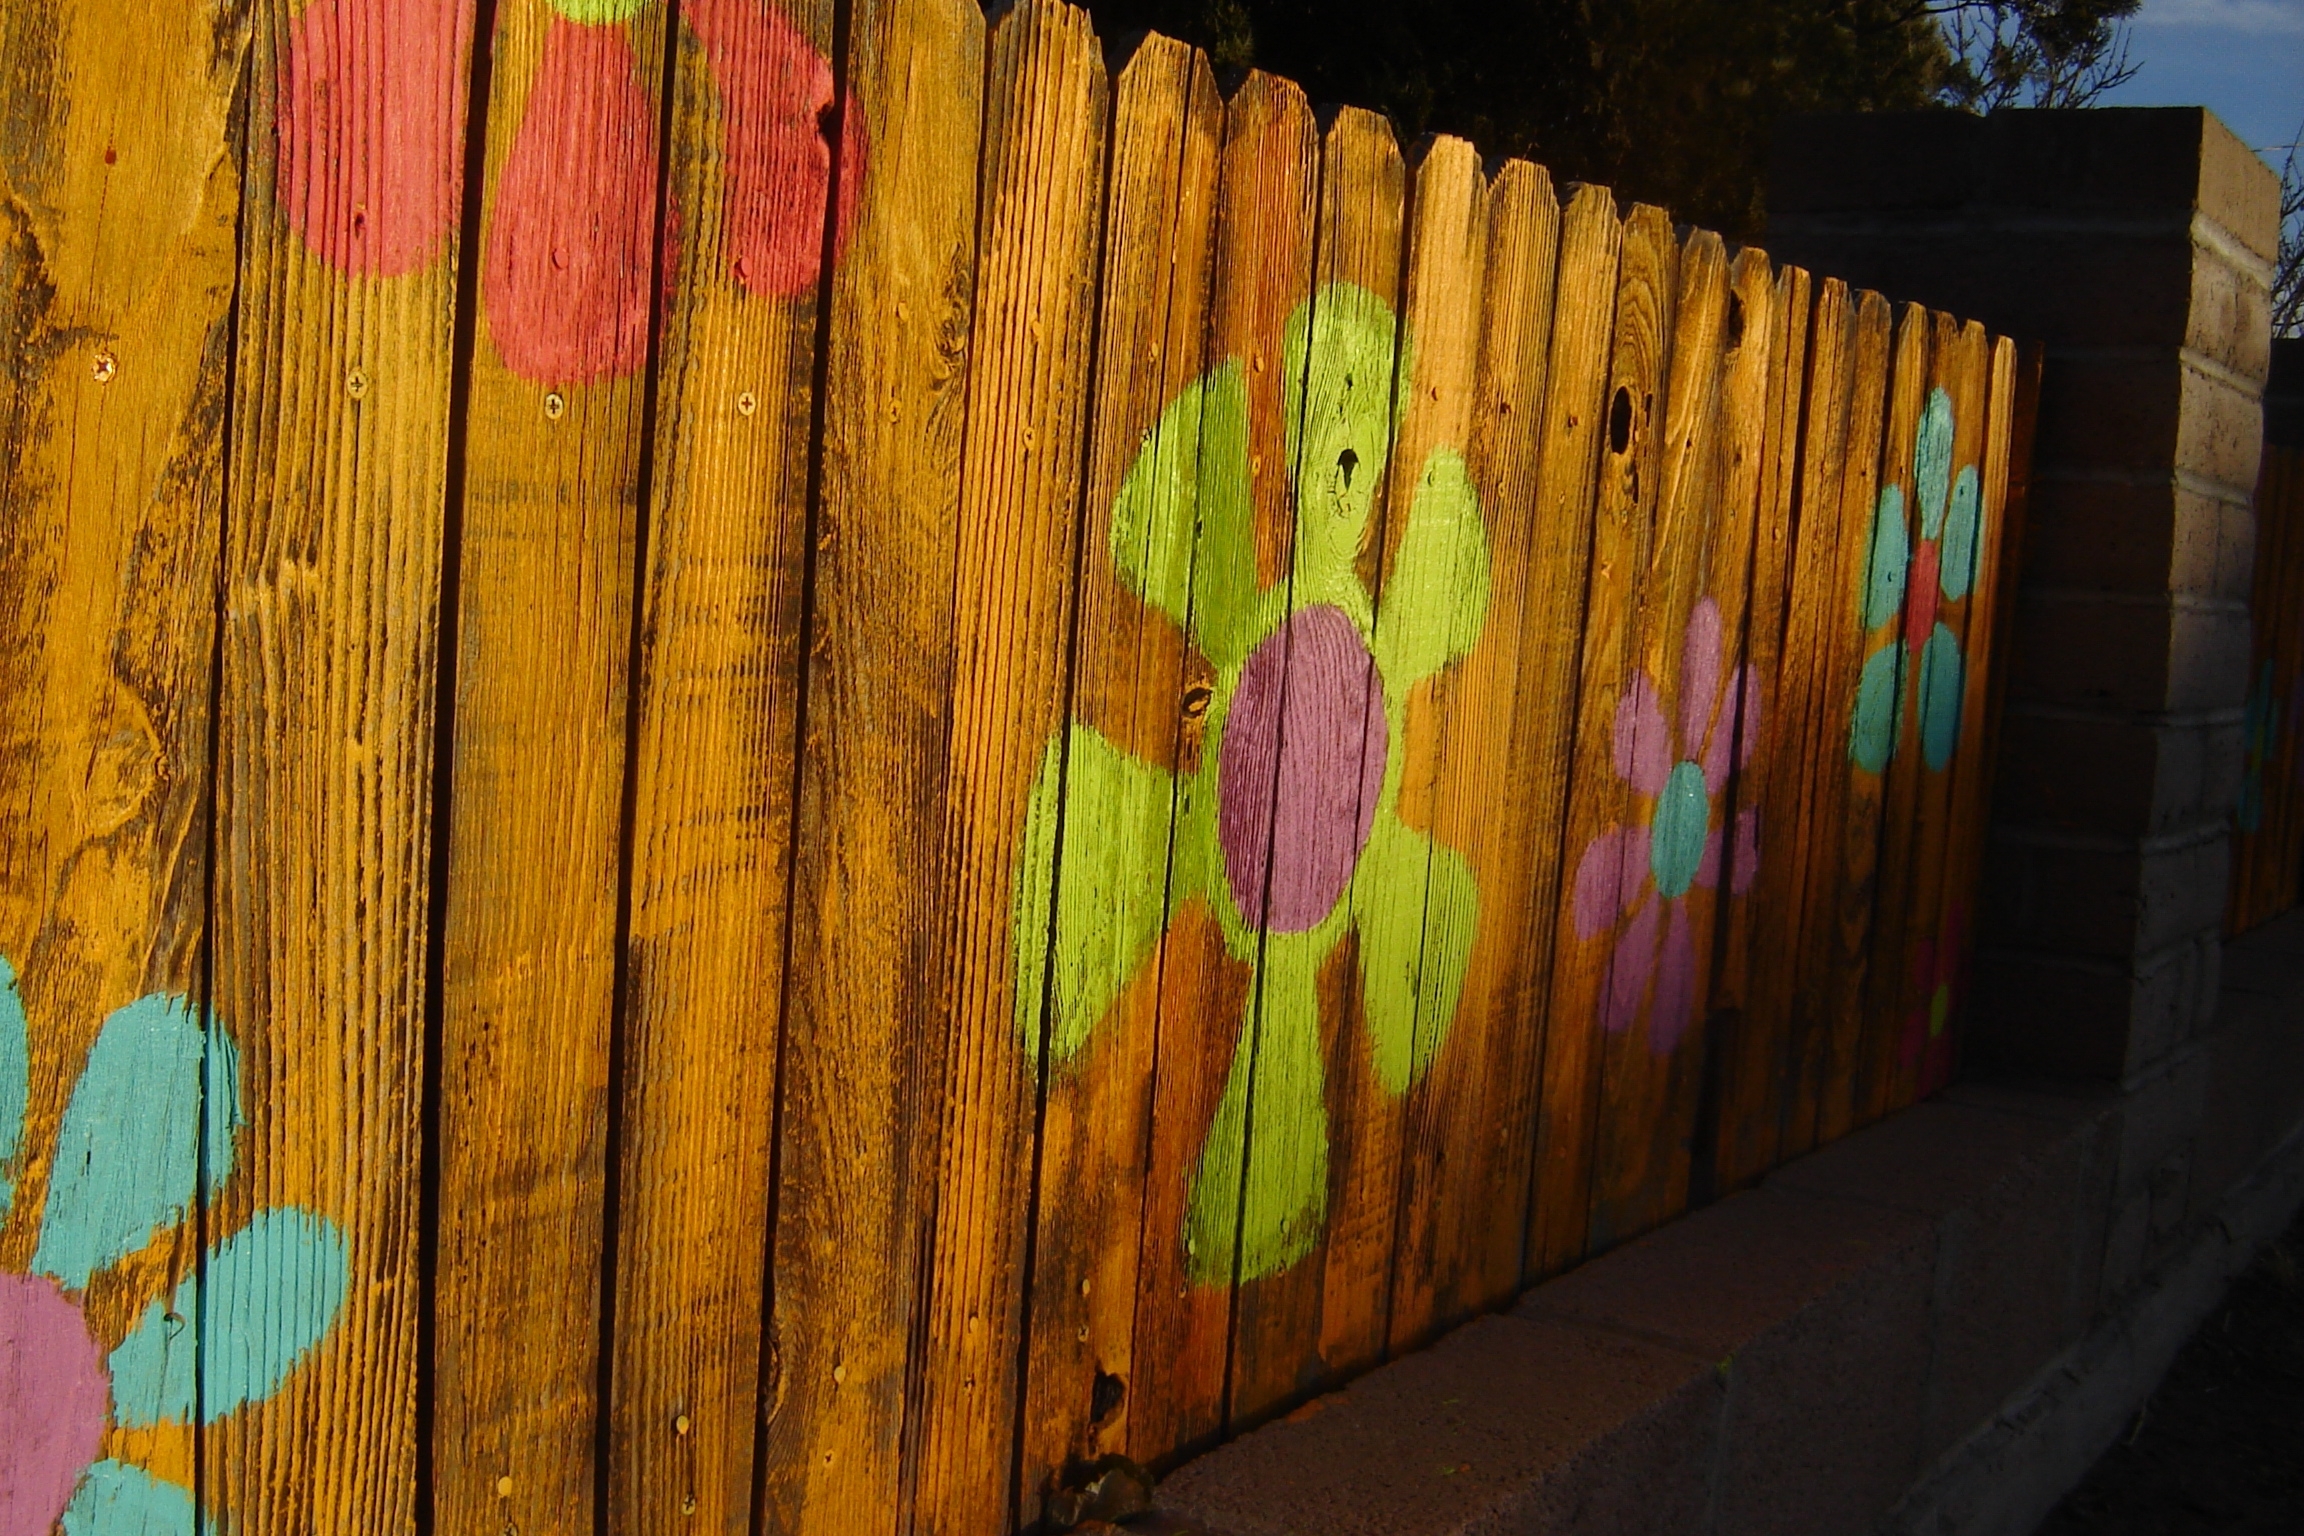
(1470, 1118)
(1102, 752)
(2268, 829)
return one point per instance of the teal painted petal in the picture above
(1940, 697)
(1879, 709)
(1956, 572)
(152, 1370)
(274, 1290)
(15, 1079)
(1339, 386)
(116, 1499)
(128, 1153)
(1682, 825)
(1891, 554)
(1932, 462)
(1435, 600)
(1107, 888)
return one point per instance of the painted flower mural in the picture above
(1632, 881)
(1288, 827)
(154, 1114)
(371, 164)
(1914, 580)
(1937, 964)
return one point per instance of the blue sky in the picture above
(2242, 58)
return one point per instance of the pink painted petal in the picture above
(775, 89)
(1630, 968)
(1609, 878)
(1699, 676)
(1744, 863)
(1643, 742)
(572, 235)
(1675, 984)
(371, 163)
(1732, 733)
(1708, 867)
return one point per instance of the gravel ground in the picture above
(2220, 1446)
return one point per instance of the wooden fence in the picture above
(2268, 831)
(848, 761)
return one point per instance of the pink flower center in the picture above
(1920, 596)
(1301, 842)
(52, 1400)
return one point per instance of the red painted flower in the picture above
(371, 164)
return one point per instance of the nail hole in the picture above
(1196, 700)
(828, 122)
(1620, 420)
(1348, 461)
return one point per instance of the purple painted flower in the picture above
(1632, 880)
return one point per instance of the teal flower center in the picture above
(1676, 837)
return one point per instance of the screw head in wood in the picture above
(356, 384)
(680, 1425)
(555, 406)
(504, 1487)
(105, 366)
(747, 403)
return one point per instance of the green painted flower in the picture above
(1913, 580)
(1287, 827)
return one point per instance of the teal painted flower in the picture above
(2259, 740)
(1913, 580)
(1287, 827)
(152, 1117)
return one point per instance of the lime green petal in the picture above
(1416, 906)
(1225, 590)
(1156, 515)
(1436, 599)
(1278, 1101)
(1339, 386)
(1107, 887)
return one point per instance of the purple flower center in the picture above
(52, 1401)
(1299, 770)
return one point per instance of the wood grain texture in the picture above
(1322, 1313)
(1130, 687)
(124, 195)
(1267, 205)
(1038, 245)
(716, 721)
(1464, 1170)
(1600, 803)
(552, 490)
(326, 708)
(1689, 650)
(1752, 1003)
(865, 1002)
(1846, 844)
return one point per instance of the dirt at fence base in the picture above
(2220, 1446)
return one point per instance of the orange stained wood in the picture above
(1814, 740)
(1325, 1306)
(1910, 921)
(551, 480)
(1130, 685)
(1569, 448)
(1599, 801)
(1038, 244)
(1686, 649)
(1852, 847)
(1267, 202)
(328, 685)
(865, 999)
(124, 196)
(1984, 643)
(1464, 1165)
(715, 730)
(1750, 1016)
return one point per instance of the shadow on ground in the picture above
(2220, 1446)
